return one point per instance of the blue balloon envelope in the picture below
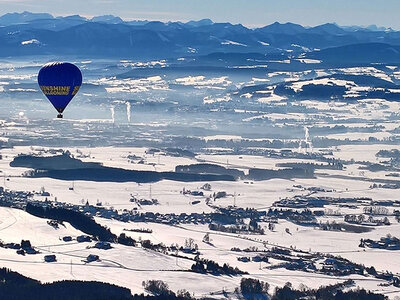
(60, 82)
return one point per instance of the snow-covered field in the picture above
(234, 121)
(127, 266)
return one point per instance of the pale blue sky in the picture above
(251, 12)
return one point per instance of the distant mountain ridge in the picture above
(361, 53)
(17, 18)
(109, 36)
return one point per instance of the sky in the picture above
(252, 13)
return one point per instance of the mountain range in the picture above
(109, 36)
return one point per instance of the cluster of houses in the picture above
(15, 199)
(297, 260)
(300, 217)
(90, 258)
(80, 238)
(143, 201)
(389, 243)
(256, 258)
(22, 248)
(392, 186)
(87, 239)
(19, 200)
(307, 201)
(302, 202)
(237, 228)
(192, 193)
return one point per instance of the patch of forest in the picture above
(65, 167)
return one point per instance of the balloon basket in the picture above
(59, 116)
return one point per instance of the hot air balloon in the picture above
(60, 82)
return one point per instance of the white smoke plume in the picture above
(128, 111)
(112, 108)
